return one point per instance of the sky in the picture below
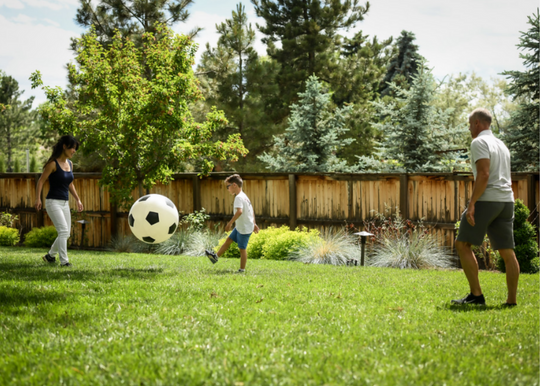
(453, 35)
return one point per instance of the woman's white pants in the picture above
(59, 213)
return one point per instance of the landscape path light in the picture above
(363, 237)
(83, 222)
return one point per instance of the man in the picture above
(490, 210)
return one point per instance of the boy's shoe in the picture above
(49, 259)
(509, 305)
(212, 256)
(471, 299)
(241, 271)
(66, 265)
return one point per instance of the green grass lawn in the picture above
(136, 319)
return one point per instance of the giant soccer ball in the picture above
(153, 218)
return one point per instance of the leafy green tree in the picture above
(131, 17)
(236, 80)
(523, 135)
(417, 135)
(405, 64)
(306, 33)
(461, 94)
(141, 127)
(16, 128)
(312, 138)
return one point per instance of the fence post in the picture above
(114, 220)
(292, 201)
(350, 203)
(404, 195)
(196, 193)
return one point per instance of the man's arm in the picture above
(480, 184)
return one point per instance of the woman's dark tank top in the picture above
(59, 183)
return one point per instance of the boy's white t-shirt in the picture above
(246, 222)
(499, 187)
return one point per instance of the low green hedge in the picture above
(272, 243)
(8, 236)
(41, 237)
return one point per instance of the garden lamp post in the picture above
(363, 237)
(83, 222)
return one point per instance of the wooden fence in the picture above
(312, 200)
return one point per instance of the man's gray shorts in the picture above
(495, 218)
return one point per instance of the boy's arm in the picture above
(235, 217)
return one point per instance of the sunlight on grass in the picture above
(175, 320)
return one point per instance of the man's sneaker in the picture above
(241, 271)
(471, 299)
(66, 265)
(49, 259)
(211, 256)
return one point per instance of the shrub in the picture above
(257, 241)
(233, 252)
(526, 248)
(7, 219)
(8, 236)
(335, 248)
(41, 237)
(123, 244)
(196, 220)
(282, 246)
(199, 241)
(176, 245)
(399, 243)
(416, 250)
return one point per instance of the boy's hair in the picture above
(234, 179)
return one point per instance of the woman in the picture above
(59, 170)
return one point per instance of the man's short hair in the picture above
(234, 179)
(481, 114)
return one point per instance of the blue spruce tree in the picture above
(312, 137)
(523, 134)
(417, 134)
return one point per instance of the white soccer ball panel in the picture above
(153, 218)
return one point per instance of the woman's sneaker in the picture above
(212, 256)
(471, 299)
(49, 259)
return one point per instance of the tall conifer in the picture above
(523, 134)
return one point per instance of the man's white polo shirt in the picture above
(499, 187)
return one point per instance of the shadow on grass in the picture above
(13, 296)
(36, 272)
(471, 307)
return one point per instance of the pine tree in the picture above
(356, 81)
(307, 32)
(312, 139)
(236, 80)
(131, 17)
(16, 129)
(417, 134)
(404, 65)
(523, 132)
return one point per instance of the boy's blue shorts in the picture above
(239, 238)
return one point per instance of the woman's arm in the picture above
(47, 170)
(75, 195)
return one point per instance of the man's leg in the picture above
(512, 274)
(224, 247)
(243, 258)
(470, 266)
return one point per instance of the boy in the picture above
(245, 223)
